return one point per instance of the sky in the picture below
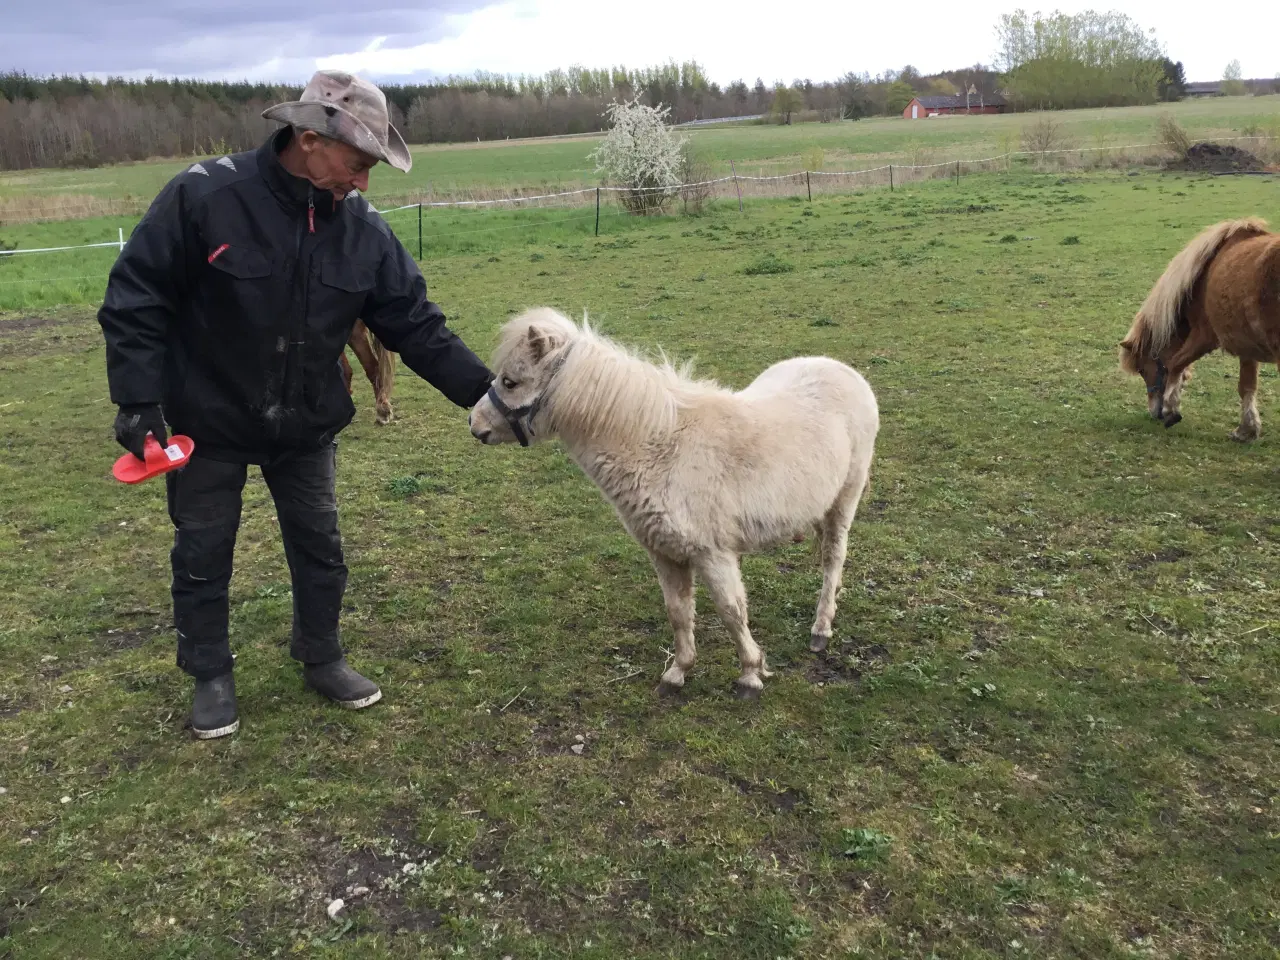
(403, 40)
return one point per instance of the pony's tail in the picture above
(1157, 319)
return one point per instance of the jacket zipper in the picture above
(293, 359)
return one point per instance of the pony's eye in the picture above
(508, 383)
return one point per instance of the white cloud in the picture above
(818, 40)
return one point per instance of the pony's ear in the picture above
(542, 342)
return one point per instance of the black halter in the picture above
(1158, 386)
(513, 415)
(1157, 390)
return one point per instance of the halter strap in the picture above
(513, 415)
(1158, 386)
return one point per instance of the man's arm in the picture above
(143, 293)
(400, 315)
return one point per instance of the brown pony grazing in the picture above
(1221, 290)
(379, 366)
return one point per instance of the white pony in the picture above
(698, 474)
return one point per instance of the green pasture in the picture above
(1046, 727)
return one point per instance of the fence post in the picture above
(597, 211)
(891, 178)
(419, 229)
(808, 186)
(735, 185)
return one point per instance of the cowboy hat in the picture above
(344, 107)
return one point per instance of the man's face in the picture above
(335, 166)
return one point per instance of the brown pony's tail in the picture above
(1157, 319)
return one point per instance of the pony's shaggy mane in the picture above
(600, 388)
(1157, 319)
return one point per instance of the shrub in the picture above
(1171, 134)
(641, 154)
(694, 174)
(1045, 135)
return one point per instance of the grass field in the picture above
(1047, 726)
(757, 150)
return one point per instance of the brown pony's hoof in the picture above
(1170, 420)
(818, 644)
(669, 690)
(745, 693)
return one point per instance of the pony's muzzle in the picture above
(480, 433)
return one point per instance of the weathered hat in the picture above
(347, 108)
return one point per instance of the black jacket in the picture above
(234, 297)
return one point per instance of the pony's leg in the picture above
(677, 591)
(359, 342)
(1199, 342)
(1250, 423)
(835, 542)
(386, 366)
(724, 582)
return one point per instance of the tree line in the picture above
(78, 121)
(1043, 62)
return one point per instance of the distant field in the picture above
(448, 170)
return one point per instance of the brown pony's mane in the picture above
(1157, 319)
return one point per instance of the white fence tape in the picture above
(676, 188)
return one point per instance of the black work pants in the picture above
(204, 505)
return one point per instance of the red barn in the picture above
(971, 102)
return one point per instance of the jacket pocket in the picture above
(243, 263)
(350, 276)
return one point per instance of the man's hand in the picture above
(133, 423)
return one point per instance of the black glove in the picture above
(134, 422)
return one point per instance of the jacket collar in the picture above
(291, 191)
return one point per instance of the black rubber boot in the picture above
(213, 712)
(341, 684)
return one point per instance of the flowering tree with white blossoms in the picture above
(641, 154)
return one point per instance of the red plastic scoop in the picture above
(129, 469)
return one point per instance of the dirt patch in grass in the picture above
(846, 663)
(11, 705)
(119, 640)
(12, 325)
(1216, 158)
(1167, 555)
(784, 801)
(374, 878)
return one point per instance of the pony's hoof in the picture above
(1170, 420)
(818, 644)
(669, 690)
(741, 692)
(1239, 437)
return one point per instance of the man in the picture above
(226, 316)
